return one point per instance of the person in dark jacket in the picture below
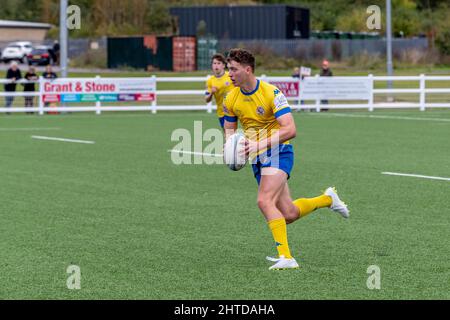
(55, 52)
(30, 87)
(13, 74)
(296, 74)
(49, 75)
(325, 72)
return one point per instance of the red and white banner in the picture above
(100, 89)
(290, 89)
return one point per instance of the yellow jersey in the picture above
(258, 110)
(223, 85)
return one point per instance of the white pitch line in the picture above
(196, 153)
(29, 129)
(415, 176)
(380, 117)
(62, 139)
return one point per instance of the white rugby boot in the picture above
(337, 205)
(284, 263)
(273, 259)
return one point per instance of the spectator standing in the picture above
(30, 86)
(49, 75)
(296, 74)
(13, 74)
(325, 72)
(55, 51)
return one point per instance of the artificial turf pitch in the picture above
(141, 227)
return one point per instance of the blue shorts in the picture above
(222, 121)
(282, 158)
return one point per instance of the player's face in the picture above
(218, 67)
(238, 73)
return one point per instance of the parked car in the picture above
(16, 51)
(41, 55)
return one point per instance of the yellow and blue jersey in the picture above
(224, 86)
(258, 110)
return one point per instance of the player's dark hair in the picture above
(219, 57)
(243, 57)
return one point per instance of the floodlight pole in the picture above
(389, 42)
(63, 37)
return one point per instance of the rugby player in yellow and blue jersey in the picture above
(219, 84)
(266, 118)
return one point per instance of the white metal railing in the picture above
(98, 107)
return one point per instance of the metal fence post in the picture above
(41, 95)
(154, 105)
(299, 103)
(371, 93)
(98, 103)
(317, 100)
(422, 92)
(209, 104)
(263, 77)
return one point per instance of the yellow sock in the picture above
(308, 205)
(279, 231)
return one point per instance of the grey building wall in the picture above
(80, 46)
(324, 48)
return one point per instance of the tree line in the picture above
(136, 17)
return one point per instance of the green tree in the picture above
(405, 20)
(355, 20)
(158, 17)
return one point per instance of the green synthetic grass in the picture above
(141, 227)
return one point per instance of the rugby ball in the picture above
(233, 151)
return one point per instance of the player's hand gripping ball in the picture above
(234, 152)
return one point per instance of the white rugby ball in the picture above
(233, 152)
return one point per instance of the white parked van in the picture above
(17, 51)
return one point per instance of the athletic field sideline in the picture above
(141, 227)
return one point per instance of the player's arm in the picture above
(209, 91)
(286, 132)
(209, 94)
(230, 121)
(229, 128)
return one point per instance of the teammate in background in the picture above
(325, 72)
(219, 84)
(268, 124)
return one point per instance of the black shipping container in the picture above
(134, 52)
(128, 52)
(245, 22)
(162, 58)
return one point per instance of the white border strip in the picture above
(61, 139)
(415, 176)
(196, 153)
